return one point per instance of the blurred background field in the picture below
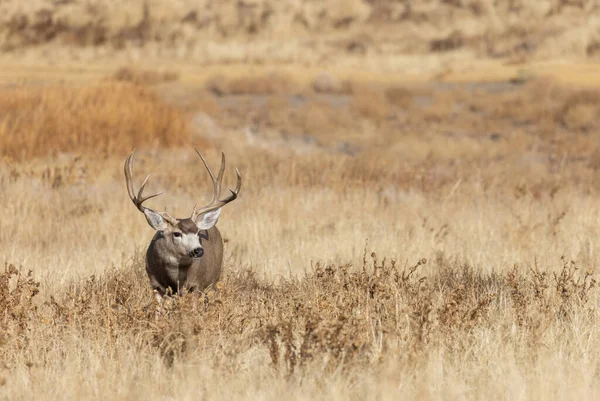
(456, 139)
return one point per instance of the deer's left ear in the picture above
(209, 219)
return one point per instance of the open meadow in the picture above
(419, 217)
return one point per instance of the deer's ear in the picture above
(155, 220)
(209, 219)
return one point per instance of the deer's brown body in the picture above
(185, 255)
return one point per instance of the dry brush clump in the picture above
(18, 289)
(143, 77)
(346, 29)
(95, 118)
(336, 317)
(252, 84)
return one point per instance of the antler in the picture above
(217, 203)
(140, 198)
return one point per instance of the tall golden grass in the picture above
(450, 255)
(95, 118)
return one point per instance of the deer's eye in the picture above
(176, 234)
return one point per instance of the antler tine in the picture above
(238, 185)
(220, 176)
(140, 198)
(128, 174)
(216, 203)
(236, 191)
(212, 176)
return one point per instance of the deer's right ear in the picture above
(155, 220)
(209, 219)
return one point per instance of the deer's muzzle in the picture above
(197, 253)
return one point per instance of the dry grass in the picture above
(379, 323)
(356, 28)
(271, 84)
(143, 77)
(391, 241)
(370, 115)
(99, 118)
(433, 36)
(482, 220)
(430, 328)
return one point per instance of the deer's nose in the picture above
(197, 253)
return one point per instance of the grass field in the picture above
(418, 216)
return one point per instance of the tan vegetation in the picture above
(334, 33)
(338, 331)
(475, 201)
(99, 118)
(418, 218)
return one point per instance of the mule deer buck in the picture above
(185, 255)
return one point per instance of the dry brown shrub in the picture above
(336, 316)
(536, 102)
(274, 114)
(40, 26)
(321, 119)
(104, 117)
(399, 97)
(454, 40)
(143, 77)
(217, 85)
(201, 102)
(268, 84)
(328, 83)
(580, 111)
(17, 307)
(370, 102)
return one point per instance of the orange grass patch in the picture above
(103, 117)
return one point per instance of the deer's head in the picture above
(182, 236)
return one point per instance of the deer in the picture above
(185, 255)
